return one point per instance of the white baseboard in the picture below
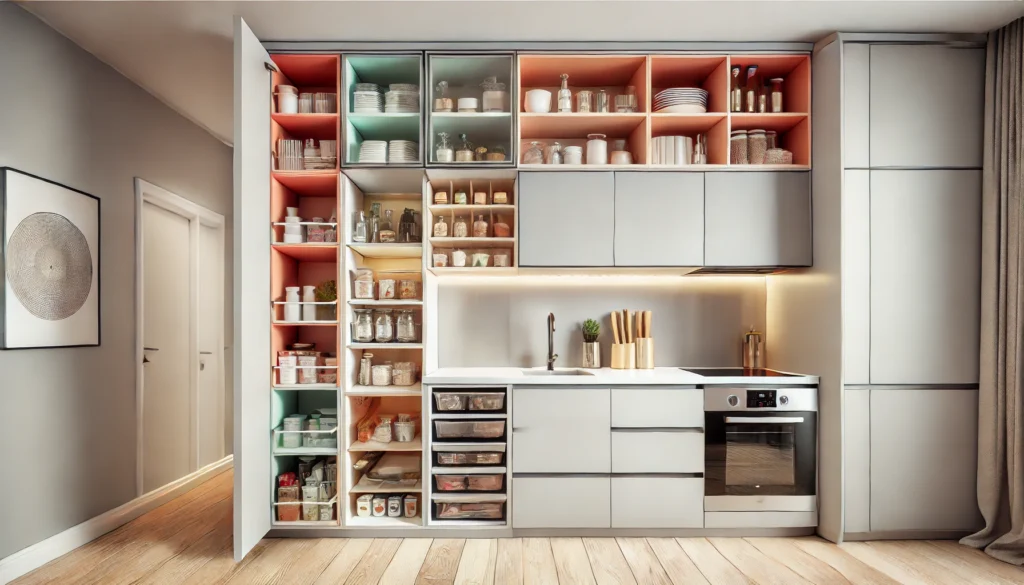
(37, 555)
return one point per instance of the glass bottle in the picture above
(735, 91)
(359, 232)
(603, 107)
(480, 227)
(384, 326)
(445, 154)
(441, 228)
(373, 228)
(752, 87)
(459, 228)
(362, 325)
(442, 103)
(776, 94)
(387, 230)
(555, 154)
(405, 327)
(565, 95)
(534, 155)
(365, 368)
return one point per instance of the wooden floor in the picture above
(188, 540)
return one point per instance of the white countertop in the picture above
(601, 377)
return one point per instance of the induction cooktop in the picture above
(738, 372)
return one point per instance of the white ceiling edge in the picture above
(181, 52)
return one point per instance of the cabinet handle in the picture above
(150, 349)
(763, 420)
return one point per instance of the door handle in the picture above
(150, 349)
(763, 420)
(206, 353)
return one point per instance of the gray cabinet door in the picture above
(561, 430)
(925, 274)
(927, 106)
(924, 451)
(566, 219)
(659, 219)
(857, 460)
(757, 219)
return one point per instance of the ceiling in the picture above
(181, 52)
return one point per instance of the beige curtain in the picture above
(1001, 396)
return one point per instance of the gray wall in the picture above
(67, 434)
(698, 321)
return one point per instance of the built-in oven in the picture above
(760, 449)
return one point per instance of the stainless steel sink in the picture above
(533, 372)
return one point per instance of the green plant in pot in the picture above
(326, 292)
(591, 346)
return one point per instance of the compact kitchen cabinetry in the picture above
(615, 448)
(665, 220)
(911, 217)
(382, 69)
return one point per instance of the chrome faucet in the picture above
(551, 342)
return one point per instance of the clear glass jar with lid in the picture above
(465, 151)
(362, 326)
(534, 155)
(406, 326)
(444, 152)
(384, 326)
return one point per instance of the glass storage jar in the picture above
(459, 228)
(738, 147)
(406, 326)
(440, 228)
(362, 326)
(444, 153)
(757, 146)
(403, 374)
(384, 326)
(465, 152)
(480, 227)
(534, 155)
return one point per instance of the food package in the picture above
(307, 362)
(485, 483)
(290, 493)
(396, 465)
(383, 433)
(369, 422)
(451, 483)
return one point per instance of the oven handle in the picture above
(762, 420)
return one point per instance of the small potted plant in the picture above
(325, 293)
(591, 346)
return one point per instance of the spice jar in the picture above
(408, 289)
(440, 259)
(441, 198)
(364, 504)
(555, 154)
(442, 103)
(480, 154)
(480, 198)
(773, 139)
(380, 506)
(411, 502)
(362, 326)
(502, 229)
(757, 145)
(495, 98)
(441, 228)
(460, 197)
(394, 506)
(480, 227)
(565, 95)
(603, 106)
(776, 94)
(403, 374)
(406, 326)
(382, 375)
(359, 230)
(384, 326)
(465, 151)
(738, 147)
(386, 288)
(365, 369)
(444, 152)
(584, 101)
(459, 228)
(458, 258)
(497, 154)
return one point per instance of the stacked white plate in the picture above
(672, 150)
(681, 100)
(373, 151)
(403, 98)
(367, 99)
(403, 151)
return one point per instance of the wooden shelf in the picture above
(357, 390)
(782, 122)
(672, 124)
(394, 345)
(383, 521)
(319, 126)
(388, 250)
(413, 445)
(583, 167)
(477, 271)
(309, 183)
(309, 252)
(277, 323)
(473, 242)
(305, 524)
(470, 207)
(366, 486)
(554, 126)
(386, 302)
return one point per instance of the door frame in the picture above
(197, 215)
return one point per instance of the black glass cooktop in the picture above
(729, 372)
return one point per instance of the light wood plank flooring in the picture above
(188, 540)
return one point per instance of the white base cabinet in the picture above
(657, 452)
(561, 502)
(561, 430)
(657, 502)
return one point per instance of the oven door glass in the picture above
(760, 453)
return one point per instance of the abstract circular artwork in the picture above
(49, 266)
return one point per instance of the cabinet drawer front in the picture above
(657, 452)
(657, 502)
(561, 430)
(657, 407)
(561, 502)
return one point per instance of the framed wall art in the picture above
(51, 263)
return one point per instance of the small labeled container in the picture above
(364, 506)
(385, 288)
(403, 374)
(380, 506)
(408, 289)
(381, 375)
(394, 506)
(287, 99)
(411, 506)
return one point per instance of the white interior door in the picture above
(210, 412)
(167, 443)
(252, 285)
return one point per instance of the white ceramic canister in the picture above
(309, 296)
(287, 99)
(293, 231)
(573, 155)
(291, 307)
(597, 149)
(363, 505)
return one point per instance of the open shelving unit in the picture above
(315, 194)
(383, 70)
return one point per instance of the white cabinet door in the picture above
(856, 105)
(664, 407)
(561, 430)
(925, 274)
(927, 106)
(657, 502)
(757, 219)
(857, 460)
(252, 273)
(657, 452)
(856, 276)
(677, 198)
(924, 460)
(561, 502)
(566, 219)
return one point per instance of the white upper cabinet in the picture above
(646, 204)
(925, 276)
(927, 106)
(856, 105)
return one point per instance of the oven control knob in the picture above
(783, 400)
(734, 400)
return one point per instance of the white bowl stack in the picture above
(681, 100)
(367, 99)
(403, 98)
(403, 151)
(373, 151)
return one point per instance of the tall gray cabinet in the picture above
(911, 216)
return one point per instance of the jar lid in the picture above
(287, 89)
(737, 133)
(596, 136)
